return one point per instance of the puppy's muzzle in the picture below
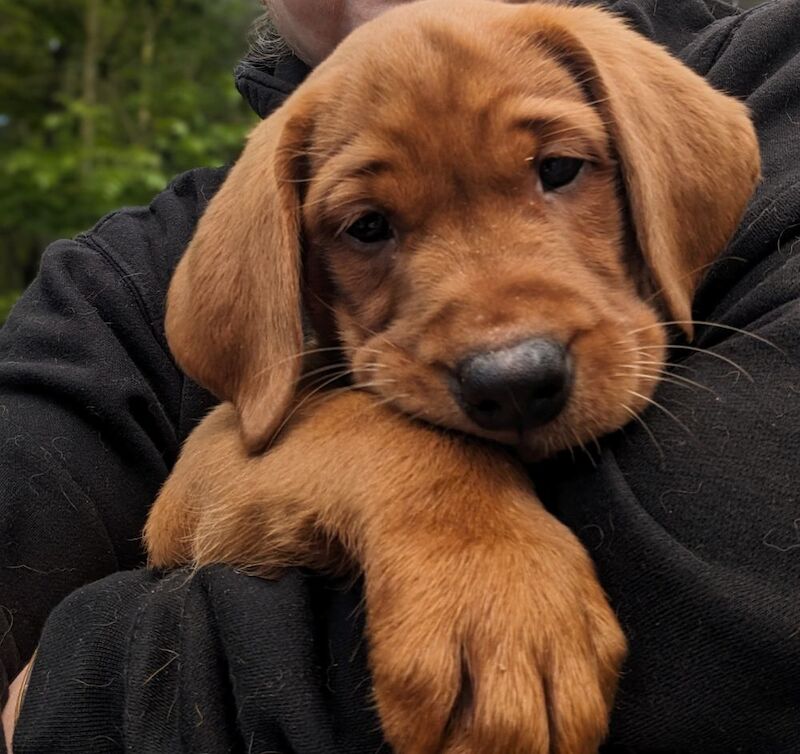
(515, 388)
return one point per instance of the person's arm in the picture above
(92, 408)
(209, 660)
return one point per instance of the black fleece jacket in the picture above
(696, 539)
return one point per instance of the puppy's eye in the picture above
(555, 172)
(371, 229)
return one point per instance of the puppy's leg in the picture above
(211, 453)
(488, 631)
(223, 505)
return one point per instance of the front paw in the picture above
(509, 648)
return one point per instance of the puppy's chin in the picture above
(615, 375)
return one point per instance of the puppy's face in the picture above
(490, 207)
(469, 236)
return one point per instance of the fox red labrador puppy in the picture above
(491, 213)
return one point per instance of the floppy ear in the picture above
(234, 320)
(688, 153)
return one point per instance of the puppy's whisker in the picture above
(738, 367)
(679, 378)
(374, 405)
(644, 365)
(571, 448)
(299, 355)
(366, 329)
(582, 446)
(646, 429)
(303, 382)
(597, 430)
(320, 370)
(328, 395)
(303, 354)
(664, 366)
(666, 411)
(659, 373)
(312, 384)
(388, 342)
(391, 399)
(343, 371)
(712, 324)
(373, 383)
(370, 332)
(641, 347)
(693, 272)
(695, 349)
(418, 415)
(646, 351)
(306, 398)
(686, 384)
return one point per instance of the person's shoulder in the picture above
(677, 24)
(158, 233)
(144, 244)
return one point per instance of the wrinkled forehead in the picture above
(412, 76)
(444, 95)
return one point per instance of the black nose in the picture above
(519, 387)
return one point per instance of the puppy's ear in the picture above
(689, 154)
(234, 320)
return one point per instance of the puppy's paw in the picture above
(510, 648)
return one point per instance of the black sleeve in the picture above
(213, 662)
(92, 408)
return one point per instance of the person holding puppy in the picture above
(694, 548)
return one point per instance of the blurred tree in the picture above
(101, 103)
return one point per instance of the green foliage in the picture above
(102, 102)
(6, 302)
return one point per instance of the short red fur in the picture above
(488, 630)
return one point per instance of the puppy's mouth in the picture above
(540, 394)
(514, 395)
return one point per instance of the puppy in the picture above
(490, 212)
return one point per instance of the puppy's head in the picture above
(490, 207)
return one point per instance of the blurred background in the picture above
(102, 102)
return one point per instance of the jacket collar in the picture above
(265, 88)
